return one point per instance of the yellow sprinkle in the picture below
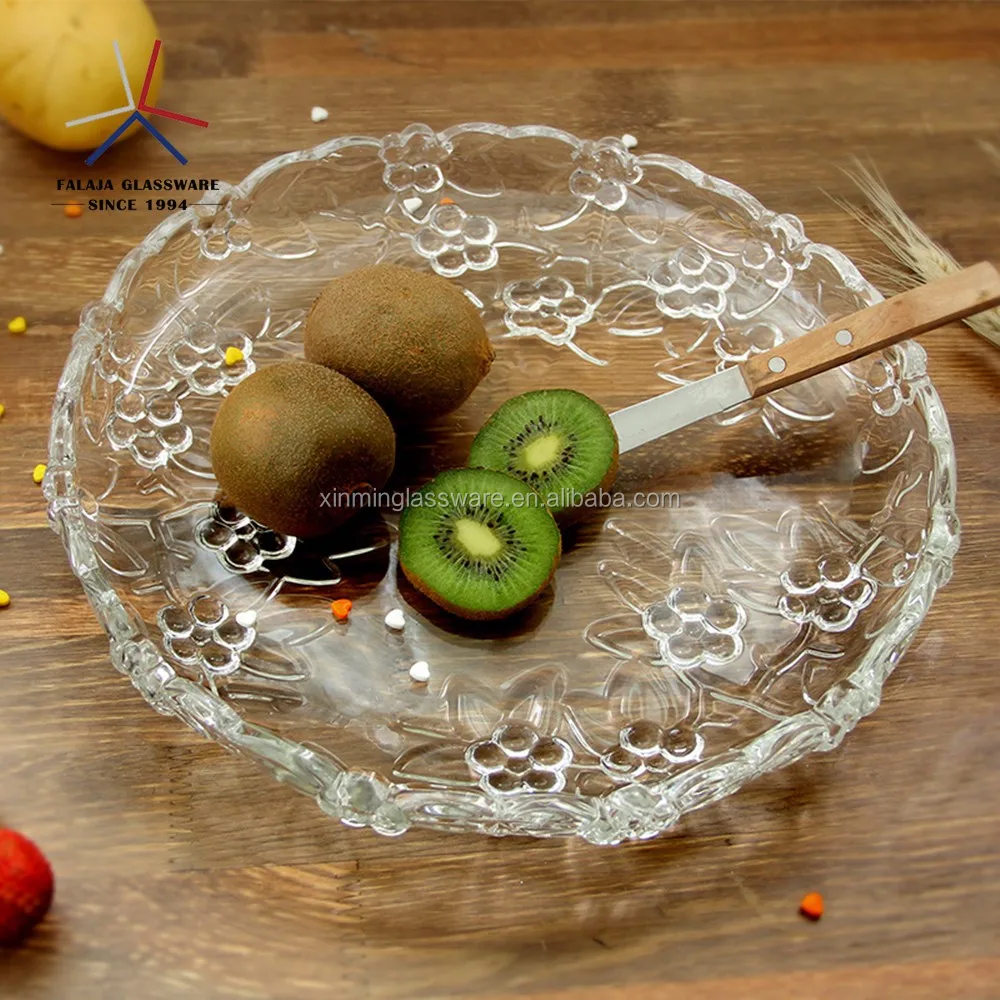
(17, 325)
(4, 598)
(3, 409)
(38, 473)
(233, 355)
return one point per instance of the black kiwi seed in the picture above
(479, 543)
(558, 441)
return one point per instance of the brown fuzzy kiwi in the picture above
(290, 438)
(411, 339)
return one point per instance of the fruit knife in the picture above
(908, 314)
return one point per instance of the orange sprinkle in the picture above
(341, 609)
(446, 201)
(811, 906)
(73, 210)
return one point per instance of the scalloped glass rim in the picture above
(364, 799)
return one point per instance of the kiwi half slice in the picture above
(558, 441)
(479, 543)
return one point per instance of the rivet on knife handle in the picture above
(905, 315)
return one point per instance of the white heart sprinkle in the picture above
(629, 141)
(247, 619)
(421, 672)
(319, 114)
(395, 620)
(412, 204)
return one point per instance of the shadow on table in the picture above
(33, 963)
(518, 891)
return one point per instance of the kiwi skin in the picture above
(409, 338)
(294, 431)
(570, 515)
(480, 616)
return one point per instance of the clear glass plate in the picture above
(747, 618)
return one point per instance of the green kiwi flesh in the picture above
(558, 441)
(478, 543)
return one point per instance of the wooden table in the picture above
(183, 872)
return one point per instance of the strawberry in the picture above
(25, 886)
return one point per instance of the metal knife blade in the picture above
(670, 411)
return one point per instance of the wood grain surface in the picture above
(182, 872)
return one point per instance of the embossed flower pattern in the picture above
(603, 172)
(241, 544)
(204, 634)
(455, 242)
(891, 385)
(644, 747)
(517, 758)
(199, 356)
(221, 231)
(691, 282)
(738, 344)
(412, 160)
(549, 308)
(693, 628)
(366, 799)
(829, 592)
(761, 276)
(151, 429)
(115, 350)
(515, 748)
(760, 259)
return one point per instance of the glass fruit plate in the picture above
(740, 603)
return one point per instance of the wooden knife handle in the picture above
(921, 309)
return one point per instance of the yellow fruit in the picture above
(57, 63)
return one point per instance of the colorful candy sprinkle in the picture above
(3, 409)
(341, 609)
(420, 672)
(38, 473)
(811, 906)
(319, 114)
(412, 204)
(233, 355)
(629, 141)
(73, 210)
(4, 598)
(395, 620)
(17, 325)
(446, 201)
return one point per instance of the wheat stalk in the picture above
(920, 256)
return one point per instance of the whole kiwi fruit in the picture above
(293, 441)
(410, 338)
